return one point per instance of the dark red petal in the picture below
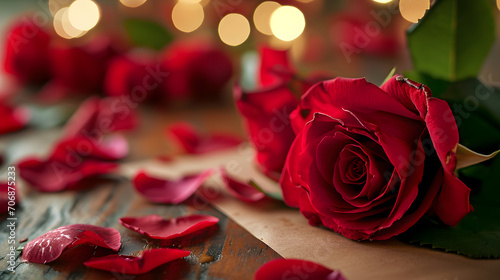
(240, 190)
(295, 269)
(132, 265)
(275, 67)
(453, 200)
(6, 192)
(157, 227)
(81, 147)
(13, 119)
(97, 117)
(169, 191)
(49, 246)
(53, 176)
(193, 142)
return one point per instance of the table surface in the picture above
(227, 251)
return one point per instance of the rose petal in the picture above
(240, 190)
(53, 176)
(193, 142)
(169, 191)
(295, 269)
(80, 147)
(157, 227)
(13, 119)
(96, 117)
(274, 67)
(49, 246)
(132, 265)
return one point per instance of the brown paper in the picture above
(287, 232)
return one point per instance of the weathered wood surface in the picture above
(227, 252)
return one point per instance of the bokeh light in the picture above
(262, 16)
(234, 29)
(187, 17)
(84, 14)
(413, 10)
(382, 1)
(132, 3)
(287, 23)
(56, 5)
(63, 27)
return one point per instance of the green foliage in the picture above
(146, 33)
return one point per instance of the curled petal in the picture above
(49, 246)
(295, 269)
(148, 261)
(53, 176)
(157, 227)
(240, 190)
(193, 142)
(169, 191)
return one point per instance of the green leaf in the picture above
(453, 39)
(466, 157)
(146, 33)
(389, 75)
(478, 234)
(273, 195)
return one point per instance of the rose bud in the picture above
(369, 162)
(26, 51)
(196, 69)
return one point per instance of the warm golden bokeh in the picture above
(287, 23)
(262, 16)
(413, 10)
(84, 14)
(234, 29)
(63, 27)
(187, 17)
(132, 3)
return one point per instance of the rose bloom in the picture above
(369, 162)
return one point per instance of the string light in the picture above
(413, 10)
(132, 3)
(262, 16)
(63, 27)
(187, 17)
(83, 14)
(287, 23)
(234, 29)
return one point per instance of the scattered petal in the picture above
(193, 142)
(295, 269)
(53, 176)
(49, 246)
(114, 147)
(169, 191)
(157, 227)
(240, 190)
(148, 261)
(13, 119)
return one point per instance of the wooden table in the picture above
(227, 252)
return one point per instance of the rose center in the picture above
(356, 170)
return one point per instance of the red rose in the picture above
(368, 162)
(197, 69)
(26, 53)
(82, 68)
(136, 76)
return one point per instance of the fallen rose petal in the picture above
(240, 190)
(295, 269)
(6, 193)
(157, 227)
(80, 147)
(96, 117)
(53, 176)
(169, 191)
(148, 261)
(49, 246)
(13, 119)
(193, 142)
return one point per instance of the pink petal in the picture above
(157, 227)
(97, 117)
(295, 269)
(5, 194)
(148, 261)
(193, 142)
(169, 191)
(53, 176)
(240, 190)
(49, 246)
